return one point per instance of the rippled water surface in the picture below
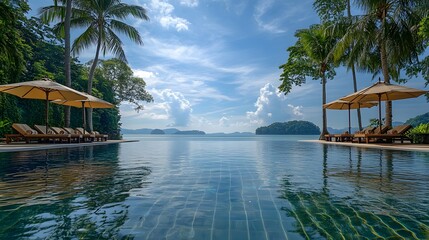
(188, 187)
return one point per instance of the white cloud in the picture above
(189, 3)
(270, 15)
(296, 110)
(261, 10)
(271, 107)
(224, 121)
(163, 12)
(180, 24)
(177, 107)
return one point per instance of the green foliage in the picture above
(12, 47)
(424, 28)
(309, 57)
(330, 10)
(43, 57)
(289, 128)
(416, 133)
(375, 122)
(421, 119)
(3, 126)
(126, 87)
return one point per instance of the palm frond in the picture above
(127, 30)
(122, 10)
(52, 13)
(86, 39)
(83, 21)
(114, 45)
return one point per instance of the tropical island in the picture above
(289, 128)
(157, 132)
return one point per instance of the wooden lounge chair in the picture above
(85, 137)
(28, 134)
(342, 137)
(378, 135)
(60, 136)
(100, 137)
(74, 137)
(396, 133)
(96, 135)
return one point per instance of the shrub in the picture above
(416, 133)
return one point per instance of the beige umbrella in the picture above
(342, 105)
(89, 102)
(381, 91)
(42, 89)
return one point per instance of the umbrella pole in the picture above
(83, 116)
(47, 111)
(350, 130)
(379, 111)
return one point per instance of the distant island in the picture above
(161, 131)
(157, 131)
(289, 128)
(148, 131)
(190, 132)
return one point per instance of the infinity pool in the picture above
(187, 187)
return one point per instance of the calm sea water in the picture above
(189, 187)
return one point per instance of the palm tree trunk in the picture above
(67, 57)
(325, 126)
(385, 70)
(90, 78)
(355, 90)
(349, 14)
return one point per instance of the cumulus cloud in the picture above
(296, 110)
(164, 14)
(180, 24)
(271, 107)
(189, 3)
(177, 107)
(224, 122)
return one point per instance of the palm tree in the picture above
(388, 28)
(49, 14)
(352, 67)
(103, 19)
(310, 56)
(331, 12)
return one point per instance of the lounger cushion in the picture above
(30, 132)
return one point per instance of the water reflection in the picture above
(65, 193)
(376, 197)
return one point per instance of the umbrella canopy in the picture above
(342, 105)
(381, 91)
(42, 89)
(89, 102)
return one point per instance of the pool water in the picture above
(202, 187)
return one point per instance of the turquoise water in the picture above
(188, 187)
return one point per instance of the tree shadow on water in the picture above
(331, 213)
(65, 193)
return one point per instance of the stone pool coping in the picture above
(22, 146)
(390, 146)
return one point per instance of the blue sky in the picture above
(212, 65)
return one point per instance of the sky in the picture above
(213, 65)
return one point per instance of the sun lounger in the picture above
(342, 137)
(28, 134)
(396, 133)
(74, 137)
(97, 135)
(85, 137)
(100, 137)
(60, 136)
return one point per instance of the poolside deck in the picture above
(22, 146)
(390, 146)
